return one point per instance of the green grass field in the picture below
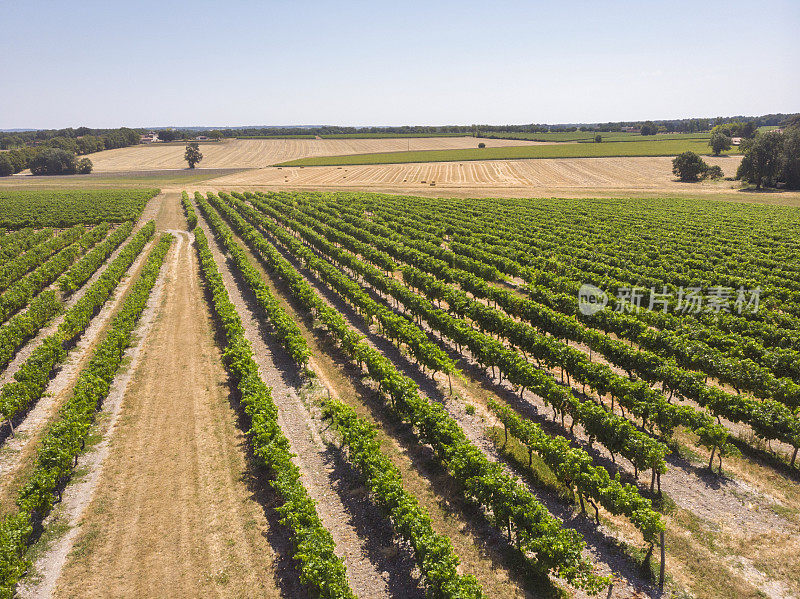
(671, 147)
(588, 136)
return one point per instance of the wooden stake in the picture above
(663, 565)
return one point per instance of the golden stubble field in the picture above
(258, 153)
(513, 178)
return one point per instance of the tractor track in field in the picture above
(77, 495)
(179, 510)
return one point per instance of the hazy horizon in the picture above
(108, 64)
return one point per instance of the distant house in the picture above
(736, 140)
(202, 138)
(630, 129)
(148, 138)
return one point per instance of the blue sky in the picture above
(107, 64)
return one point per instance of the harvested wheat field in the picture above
(529, 177)
(256, 153)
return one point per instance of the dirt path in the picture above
(176, 513)
(76, 497)
(362, 536)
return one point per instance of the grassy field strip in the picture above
(670, 147)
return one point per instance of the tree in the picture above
(649, 128)
(748, 129)
(791, 158)
(481, 145)
(192, 155)
(84, 166)
(762, 159)
(21, 158)
(64, 143)
(713, 172)
(688, 166)
(89, 144)
(169, 134)
(719, 142)
(598, 138)
(12, 141)
(6, 166)
(53, 161)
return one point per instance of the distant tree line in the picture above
(693, 125)
(25, 146)
(184, 134)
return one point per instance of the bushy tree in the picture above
(748, 129)
(63, 143)
(481, 145)
(53, 161)
(21, 157)
(649, 128)
(6, 166)
(713, 172)
(790, 160)
(169, 135)
(688, 166)
(192, 154)
(89, 144)
(719, 142)
(84, 166)
(761, 163)
(598, 138)
(12, 141)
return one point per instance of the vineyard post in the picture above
(662, 568)
(794, 457)
(11, 426)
